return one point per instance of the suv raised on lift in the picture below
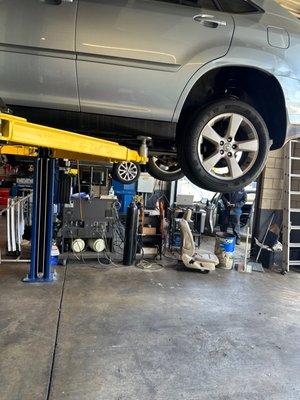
(214, 83)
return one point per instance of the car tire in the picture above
(162, 171)
(126, 172)
(226, 146)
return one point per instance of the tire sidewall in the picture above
(189, 147)
(157, 173)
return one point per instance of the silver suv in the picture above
(214, 83)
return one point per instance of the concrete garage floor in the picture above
(167, 334)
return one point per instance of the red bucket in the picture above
(4, 195)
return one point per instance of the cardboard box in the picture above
(149, 231)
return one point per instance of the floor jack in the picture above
(20, 138)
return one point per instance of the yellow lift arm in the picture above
(28, 138)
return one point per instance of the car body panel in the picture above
(291, 89)
(276, 7)
(250, 48)
(283, 63)
(292, 6)
(51, 85)
(135, 58)
(37, 54)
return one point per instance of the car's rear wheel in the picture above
(226, 147)
(164, 167)
(126, 172)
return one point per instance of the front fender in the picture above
(214, 65)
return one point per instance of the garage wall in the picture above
(272, 182)
(272, 190)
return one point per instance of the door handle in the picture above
(209, 20)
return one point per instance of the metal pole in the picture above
(42, 220)
(130, 244)
(48, 272)
(32, 275)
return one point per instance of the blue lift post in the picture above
(42, 219)
(125, 193)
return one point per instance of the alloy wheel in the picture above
(128, 171)
(228, 146)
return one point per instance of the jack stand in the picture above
(42, 220)
(144, 145)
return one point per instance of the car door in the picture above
(136, 56)
(37, 53)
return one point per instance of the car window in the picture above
(209, 4)
(238, 6)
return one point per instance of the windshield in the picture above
(292, 5)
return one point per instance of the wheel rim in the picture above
(167, 164)
(228, 146)
(128, 171)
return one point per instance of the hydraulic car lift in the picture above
(21, 138)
